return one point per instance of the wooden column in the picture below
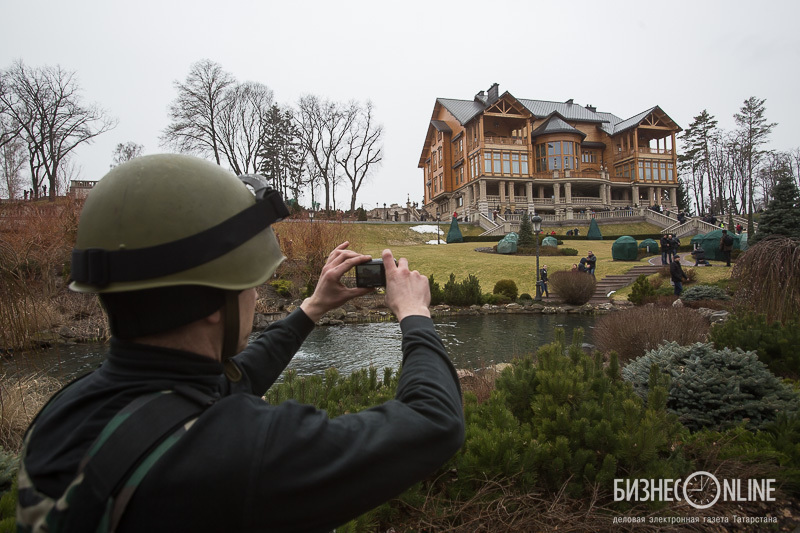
(502, 192)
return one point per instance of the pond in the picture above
(472, 342)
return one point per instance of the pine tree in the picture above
(752, 134)
(526, 237)
(782, 215)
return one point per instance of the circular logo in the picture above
(701, 489)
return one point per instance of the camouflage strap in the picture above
(129, 445)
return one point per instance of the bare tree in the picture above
(45, 104)
(68, 171)
(12, 159)
(362, 150)
(243, 125)
(324, 126)
(126, 152)
(195, 114)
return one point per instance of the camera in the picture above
(371, 274)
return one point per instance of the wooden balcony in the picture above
(506, 141)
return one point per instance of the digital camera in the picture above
(371, 274)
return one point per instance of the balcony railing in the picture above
(505, 140)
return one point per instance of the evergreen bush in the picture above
(525, 296)
(704, 292)
(777, 345)
(437, 297)
(464, 293)
(632, 332)
(507, 287)
(526, 237)
(713, 388)
(575, 288)
(569, 251)
(562, 419)
(283, 287)
(642, 291)
(494, 299)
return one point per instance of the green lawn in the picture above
(461, 259)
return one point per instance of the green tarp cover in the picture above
(649, 244)
(454, 235)
(710, 243)
(594, 232)
(549, 241)
(625, 249)
(508, 244)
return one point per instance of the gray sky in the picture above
(621, 56)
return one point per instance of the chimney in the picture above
(493, 94)
(569, 102)
(591, 108)
(481, 97)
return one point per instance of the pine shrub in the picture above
(632, 332)
(713, 388)
(464, 293)
(561, 418)
(569, 251)
(575, 288)
(642, 291)
(704, 292)
(526, 237)
(507, 287)
(283, 287)
(437, 297)
(777, 345)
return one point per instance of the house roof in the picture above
(555, 124)
(463, 110)
(570, 111)
(441, 125)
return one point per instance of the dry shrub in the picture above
(633, 332)
(20, 400)
(307, 245)
(35, 243)
(575, 288)
(479, 382)
(767, 278)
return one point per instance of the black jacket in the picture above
(676, 272)
(246, 465)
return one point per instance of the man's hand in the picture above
(330, 292)
(407, 292)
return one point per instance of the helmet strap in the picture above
(230, 339)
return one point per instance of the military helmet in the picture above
(168, 220)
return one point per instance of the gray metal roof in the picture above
(542, 108)
(555, 125)
(463, 110)
(629, 123)
(441, 125)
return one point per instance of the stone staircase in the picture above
(617, 281)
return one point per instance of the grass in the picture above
(705, 276)
(461, 258)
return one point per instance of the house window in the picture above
(524, 164)
(487, 162)
(648, 175)
(440, 157)
(515, 164)
(641, 170)
(496, 159)
(589, 156)
(670, 174)
(506, 163)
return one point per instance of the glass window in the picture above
(515, 163)
(670, 174)
(555, 163)
(648, 175)
(567, 147)
(554, 148)
(567, 162)
(496, 158)
(525, 164)
(641, 170)
(506, 163)
(487, 162)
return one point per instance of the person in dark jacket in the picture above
(543, 280)
(665, 249)
(677, 275)
(726, 246)
(591, 263)
(180, 329)
(674, 244)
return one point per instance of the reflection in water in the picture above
(472, 342)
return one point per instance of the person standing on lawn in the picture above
(677, 275)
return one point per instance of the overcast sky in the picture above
(621, 56)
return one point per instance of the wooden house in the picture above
(497, 154)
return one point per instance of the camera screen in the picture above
(369, 275)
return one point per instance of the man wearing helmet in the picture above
(172, 433)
